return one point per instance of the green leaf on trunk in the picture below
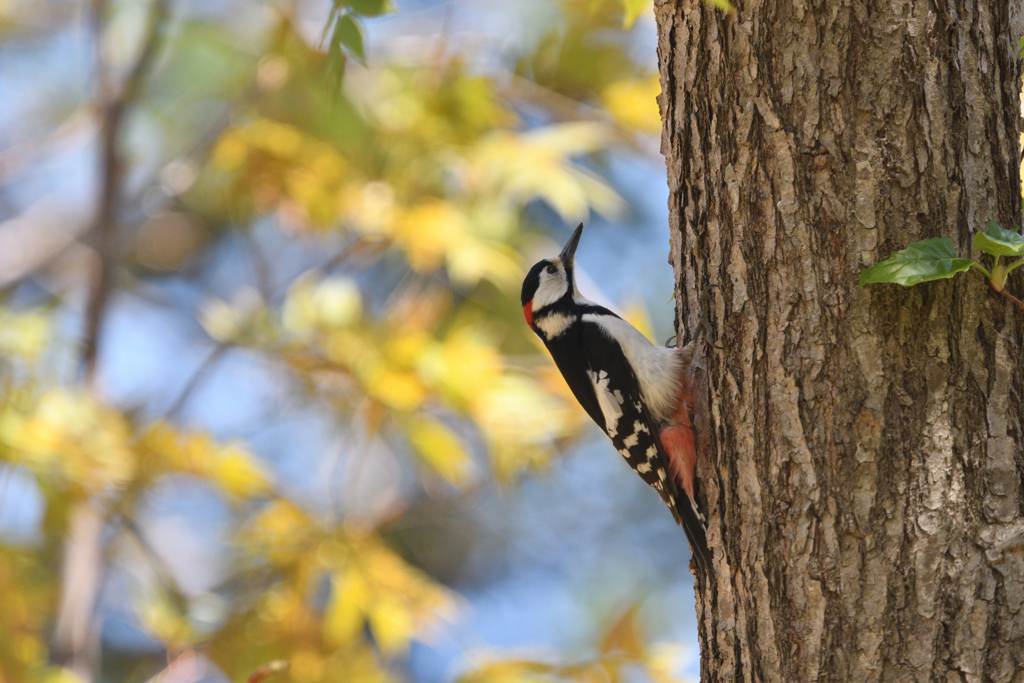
(922, 261)
(999, 241)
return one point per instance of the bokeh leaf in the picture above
(373, 586)
(634, 102)
(348, 33)
(632, 11)
(71, 437)
(371, 8)
(440, 449)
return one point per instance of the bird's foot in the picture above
(702, 329)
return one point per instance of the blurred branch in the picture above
(160, 568)
(75, 131)
(196, 378)
(565, 108)
(260, 265)
(113, 108)
(76, 640)
(39, 235)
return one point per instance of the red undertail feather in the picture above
(678, 439)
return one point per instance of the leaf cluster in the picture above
(936, 259)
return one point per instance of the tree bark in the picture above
(860, 448)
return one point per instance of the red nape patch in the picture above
(528, 312)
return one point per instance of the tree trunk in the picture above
(860, 449)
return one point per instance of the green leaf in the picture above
(371, 8)
(346, 32)
(999, 241)
(335, 64)
(922, 261)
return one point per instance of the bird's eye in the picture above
(552, 270)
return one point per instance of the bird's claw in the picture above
(703, 323)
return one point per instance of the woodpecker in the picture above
(639, 394)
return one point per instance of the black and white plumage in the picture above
(638, 393)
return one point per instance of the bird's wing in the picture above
(627, 421)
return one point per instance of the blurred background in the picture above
(269, 406)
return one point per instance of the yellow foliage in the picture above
(436, 172)
(462, 366)
(427, 232)
(434, 222)
(633, 8)
(663, 660)
(520, 422)
(332, 303)
(27, 587)
(72, 437)
(398, 389)
(307, 665)
(280, 532)
(374, 586)
(356, 663)
(284, 612)
(158, 615)
(392, 624)
(59, 674)
(522, 167)
(24, 334)
(516, 409)
(371, 208)
(636, 315)
(230, 152)
(634, 103)
(473, 260)
(235, 472)
(623, 653)
(244, 318)
(230, 467)
(405, 344)
(440, 449)
(514, 671)
(344, 616)
(276, 160)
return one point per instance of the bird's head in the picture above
(551, 281)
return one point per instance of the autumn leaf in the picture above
(634, 103)
(440, 449)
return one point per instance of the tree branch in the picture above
(1016, 302)
(113, 108)
(76, 642)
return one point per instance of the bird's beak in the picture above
(569, 250)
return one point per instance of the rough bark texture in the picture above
(861, 449)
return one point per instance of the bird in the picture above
(639, 394)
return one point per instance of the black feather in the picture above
(584, 351)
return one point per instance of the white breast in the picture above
(554, 324)
(657, 368)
